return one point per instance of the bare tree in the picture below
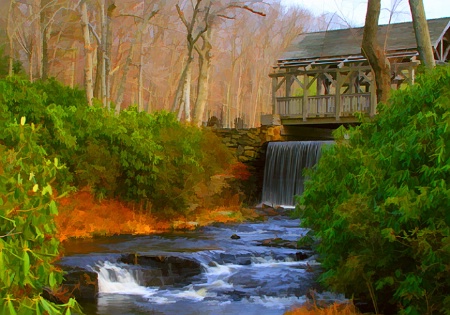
(374, 53)
(145, 18)
(196, 25)
(422, 33)
(205, 15)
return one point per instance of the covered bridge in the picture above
(323, 78)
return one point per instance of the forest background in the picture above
(212, 57)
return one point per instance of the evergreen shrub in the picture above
(148, 159)
(28, 246)
(378, 202)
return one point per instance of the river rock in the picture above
(235, 237)
(302, 255)
(164, 270)
(278, 242)
(238, 259)
(81, 283)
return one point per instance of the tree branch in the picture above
(99, 42)
(246, 7)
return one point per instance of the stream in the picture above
(236, 276)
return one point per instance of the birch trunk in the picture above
(203, 78)
(178, 102)
(100, 78)
(88, 69)
(187, 94)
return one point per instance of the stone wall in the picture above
(249, 144)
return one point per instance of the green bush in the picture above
(28, 246)
(379, 199)
(152, 160)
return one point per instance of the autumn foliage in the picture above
(81, 215)
(334, 309)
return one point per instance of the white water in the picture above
(283, 172)
(237, 277)
(114, 278)
(117, 278)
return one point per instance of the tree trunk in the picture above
(108, 47)
(140, 98)
(130, 59)
(374, 53)
(187, 94)
(88, 69)
(179, 99)
(39, 34)
(422, 34)
(10, 35)
(123, 79)
(203, 78)
(45, 63)
(182, 95)
(100, 78)
(45, 37)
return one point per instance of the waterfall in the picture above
(116, 278)
(283, 172)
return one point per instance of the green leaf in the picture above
(26, 263)
(47, 189)
(52, 280)
(53, 207)
(11, 308)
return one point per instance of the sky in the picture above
(353, 12)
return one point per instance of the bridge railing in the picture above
(289, 106)
(323, 105)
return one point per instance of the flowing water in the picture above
(238, 276)
(283, 172)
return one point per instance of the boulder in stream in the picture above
(278, 242)
(80, 283)
(163, 270)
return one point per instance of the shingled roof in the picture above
(345, 43)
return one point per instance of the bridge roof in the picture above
(335, 46)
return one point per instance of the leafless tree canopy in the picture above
(212, 56)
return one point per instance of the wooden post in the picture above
(337, 105)
(320, 101)
(373, 97)
(274, 94)
(288, 85)
(305, 97)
